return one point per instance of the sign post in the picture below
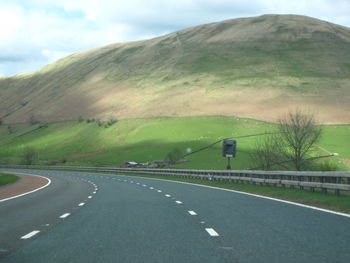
(229, 151)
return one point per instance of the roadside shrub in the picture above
(29, 156)
(111, 121)
(328, 166)
(174, 156)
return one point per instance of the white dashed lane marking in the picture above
(178, 202)
(65, 215)
(159, 191)
(31, 234)
(192, 213)
(81, 204)
(212, 232)
(168, 195)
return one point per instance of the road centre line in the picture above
(31, 234)
(192, 213)
(212, 232)
(65, 215)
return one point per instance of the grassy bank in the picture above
(146, 140)
(7, 179)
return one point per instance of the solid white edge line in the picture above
(42, 187)
(65, 215)
(192, 213)
(31, 234)
(212, 232)
(255, 195)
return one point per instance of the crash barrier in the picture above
(335, 181)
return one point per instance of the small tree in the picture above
(29, 156)
(10, 129)
(267, 153)
(288, 149)
(299, 133)
(33, 120)
(173, 156)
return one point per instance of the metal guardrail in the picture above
(337, 181)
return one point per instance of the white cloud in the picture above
(36, 32)
(10, 21)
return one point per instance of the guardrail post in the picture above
(323, 180)
(291, 186)
(337, 191)
(311, 179)
(301, 178)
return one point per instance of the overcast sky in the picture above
(34, 33)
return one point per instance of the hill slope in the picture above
(251, 67)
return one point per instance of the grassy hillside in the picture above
(144, 140)
(252, 67)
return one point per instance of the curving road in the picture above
(132, 219)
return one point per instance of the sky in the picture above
(34, 33)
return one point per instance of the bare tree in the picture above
(173, 156)
(267, 153)
(33, 120)
(29, 156)
(299, 133)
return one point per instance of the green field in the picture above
(7, 179)
(146, 140)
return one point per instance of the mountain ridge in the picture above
(256, 67)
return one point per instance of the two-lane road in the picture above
(133, 219)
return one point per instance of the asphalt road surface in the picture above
(88, 217)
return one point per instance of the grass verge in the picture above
(7, 179)
(330, 201)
